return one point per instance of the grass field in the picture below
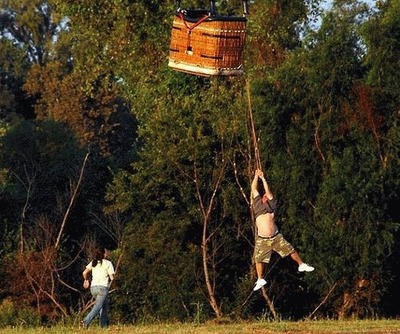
(287, 327)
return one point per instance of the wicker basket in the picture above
(205, 44)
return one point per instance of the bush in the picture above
(8, 314)
(11, 316)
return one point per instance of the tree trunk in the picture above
(206, 214)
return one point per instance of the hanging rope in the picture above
(252, 127)
(257, 166)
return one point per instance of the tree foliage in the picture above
(118, 149)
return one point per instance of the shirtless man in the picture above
(268, 237)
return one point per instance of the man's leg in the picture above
(259, 269)
(296, 257)
(260, 280)
(302, 266)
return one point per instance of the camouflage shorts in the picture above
(265, 246)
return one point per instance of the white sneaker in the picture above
(305, 267)
(259, 284)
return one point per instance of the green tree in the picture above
(174, 154)
(381, 34)
(13, 70)
(156, 132)
(324, 142)
(31, 25)
(184, 187)
(275, 28)
(40, 164)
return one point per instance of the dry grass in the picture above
(287, 327)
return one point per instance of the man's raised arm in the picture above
(254, 184)
(266, 187)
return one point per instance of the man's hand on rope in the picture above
(260, 173)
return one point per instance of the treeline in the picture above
(102, 143)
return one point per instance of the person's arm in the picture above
(266, 187)
(254, 191)
(111, 274)
(85, 275)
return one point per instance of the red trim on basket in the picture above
(205, 17)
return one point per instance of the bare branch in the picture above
(75, 191)
(323, 301)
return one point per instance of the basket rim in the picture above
(206, 71)
(194, 15)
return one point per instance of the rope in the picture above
(252, 127)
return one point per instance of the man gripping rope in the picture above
(268, 237)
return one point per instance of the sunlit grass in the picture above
(260, 327)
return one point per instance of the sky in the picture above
(328, 3)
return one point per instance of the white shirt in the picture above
(101, 273)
